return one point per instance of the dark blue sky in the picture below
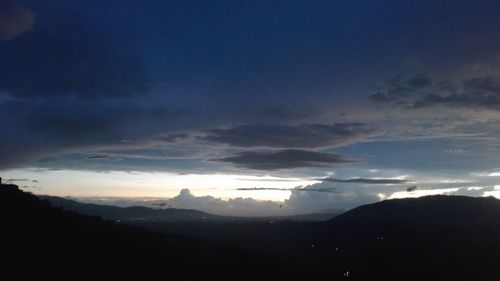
(280, 88)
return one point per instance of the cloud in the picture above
(382, 97)
(416, 82)
(16, 180)
(411, 188)
(424, 192)
(283, 136)
(455, 151)
(226, 207)
(475, 100)
(233, 207)
(64, 56)
(365, 181)
(42, 127)
(15, 20)
(473, 92)
(172, 138)
(318, 197)
(400, 87)
(23, 182)
(488, 84)
(65, 86)
(102, 157)
(310, 202)
(329, 190)
(285, 159)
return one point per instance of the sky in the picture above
(250, 107)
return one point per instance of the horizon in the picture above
(251, 107)
(166, 204)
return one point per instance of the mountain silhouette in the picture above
(137, 214)
(40, 239)
(427, 238)
(130, 214)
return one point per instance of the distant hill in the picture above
(41, 240)
(139, 214)
(131, 214)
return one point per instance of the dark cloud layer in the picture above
(14, 20)
(282, 136)
(65, 85)
(100, 157)
(285, 159)
(172, 138)
(476, 92)
(324, 190)
(459, 100)
(65, 55)
(92, 77)
(38, 128)
(365, 181)
(411, 188)
(399, 87)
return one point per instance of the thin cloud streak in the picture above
(324, 190)
(365, 181)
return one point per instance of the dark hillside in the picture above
(40, 238)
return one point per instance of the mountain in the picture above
(434, 238)
(47, 241)
(139, 214)
(131, 214)
(427, 238)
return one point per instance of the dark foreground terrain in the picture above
(51, 242)
(429, 238)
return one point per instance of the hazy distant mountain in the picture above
(131, 214)
(139, 214)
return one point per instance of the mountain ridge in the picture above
(432, 237)
(58, 243)
(134, 213)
